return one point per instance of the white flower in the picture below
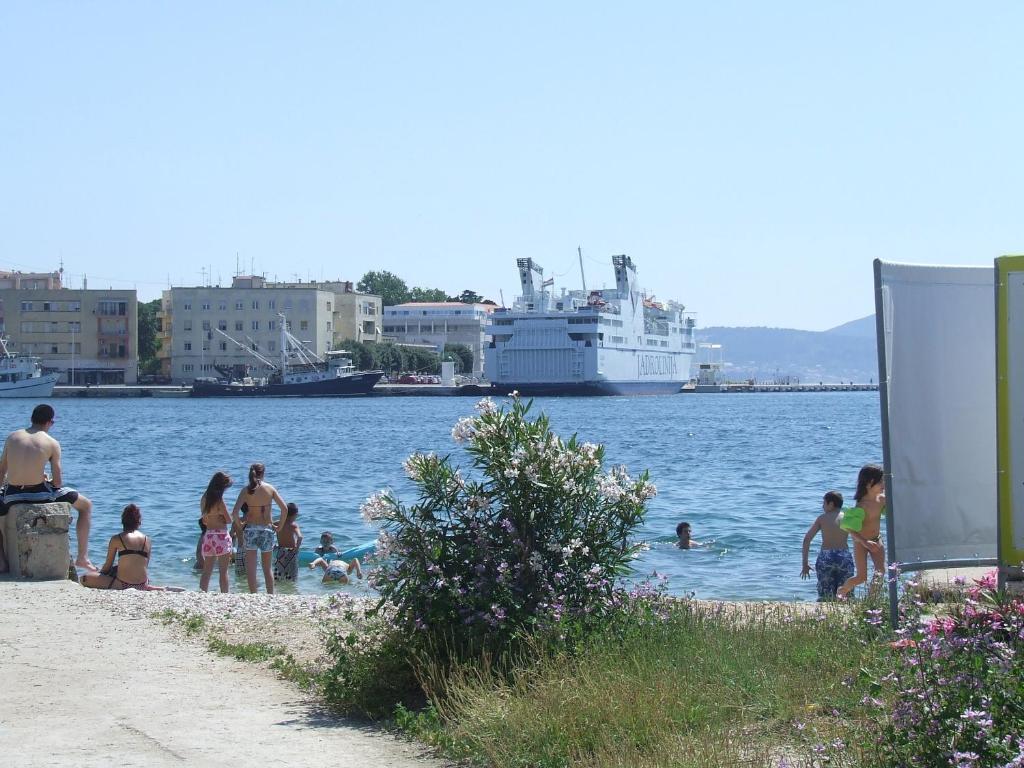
(464, 429)
(486, 406)
(375, 507)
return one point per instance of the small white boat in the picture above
(22, 375)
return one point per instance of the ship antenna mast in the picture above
(583, 277)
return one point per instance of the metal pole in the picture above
(1000, 565)
(883, 397)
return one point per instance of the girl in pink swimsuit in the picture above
(216, 546)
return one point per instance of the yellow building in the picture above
(88, 336)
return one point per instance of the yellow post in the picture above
(1010, 412)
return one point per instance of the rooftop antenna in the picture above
(501, 295)
(203, 273)
(252, 265)
(238, 269)
(579, 250)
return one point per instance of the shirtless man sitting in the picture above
(23, 473)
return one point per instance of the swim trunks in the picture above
(833, 567)
(216, 543)
(286, 563)
(240, 562)
(260, 538)
(42, 493)
(336, 573)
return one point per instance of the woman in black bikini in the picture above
(132, 549)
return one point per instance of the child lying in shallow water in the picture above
(337, 570)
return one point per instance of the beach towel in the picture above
(286, 563)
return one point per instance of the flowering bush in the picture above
(535, 538)
(958, 687)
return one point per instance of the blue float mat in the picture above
(360, 550)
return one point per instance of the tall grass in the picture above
(713, 686)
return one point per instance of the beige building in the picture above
(440, 323)
(357, 316)
(88, 336)
(196, 322)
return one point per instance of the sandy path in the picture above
(82, 686)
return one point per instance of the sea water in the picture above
(748, 471)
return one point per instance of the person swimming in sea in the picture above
(337, 570)
(683, 535)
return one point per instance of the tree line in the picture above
(393, 290)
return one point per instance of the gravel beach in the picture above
(89, 679)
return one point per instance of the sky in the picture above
(751, 158)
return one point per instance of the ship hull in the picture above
(589, 388)
(356, 384)
(40, 386)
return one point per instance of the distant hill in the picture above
(844, 353)
(865, 328)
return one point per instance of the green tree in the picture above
(462, 355)
(468, 297)
(427, 294)
(149, 344)
(390, 287)
(362, 356)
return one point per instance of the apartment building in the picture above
(440, 323)
(206, 327)
(88, 336)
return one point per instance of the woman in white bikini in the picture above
(259, 533)
(216, 546)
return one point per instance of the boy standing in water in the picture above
(289, 539)
(835, 563)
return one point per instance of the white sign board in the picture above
(938, 339)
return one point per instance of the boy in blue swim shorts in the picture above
(835, 563)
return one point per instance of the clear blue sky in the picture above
(753, 158)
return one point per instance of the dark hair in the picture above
(835, 498)
(326, 538)
(215, 490)
(293, 509)
(869, 475)
(42, 414)
(256, 472)
(131, 518)
(680, 527)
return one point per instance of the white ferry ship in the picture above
(599, 342)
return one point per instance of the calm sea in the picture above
(747, 470)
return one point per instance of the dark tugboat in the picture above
(299, 374)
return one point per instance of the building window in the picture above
(239, 305)
(328, 306)
(255, 304)
(255, 325)
(207, 366)
(26, 306)
(188, 346)
(187, 324)
(254, 347)
(303, 325)
(222, 325)
(222, 306)
(272, 304)
(53, 349)
(272, 325)
(206, 306)
(187, 306)
(238, 325)
(223, 346)
(206, 345)
(186, 368)
(46, 306)
(368, 327)
(206, 325)
(75, 326)
(328, 326)
(74, 306)
(116, 308)
(287, 303)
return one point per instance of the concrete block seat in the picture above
(36, 541)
